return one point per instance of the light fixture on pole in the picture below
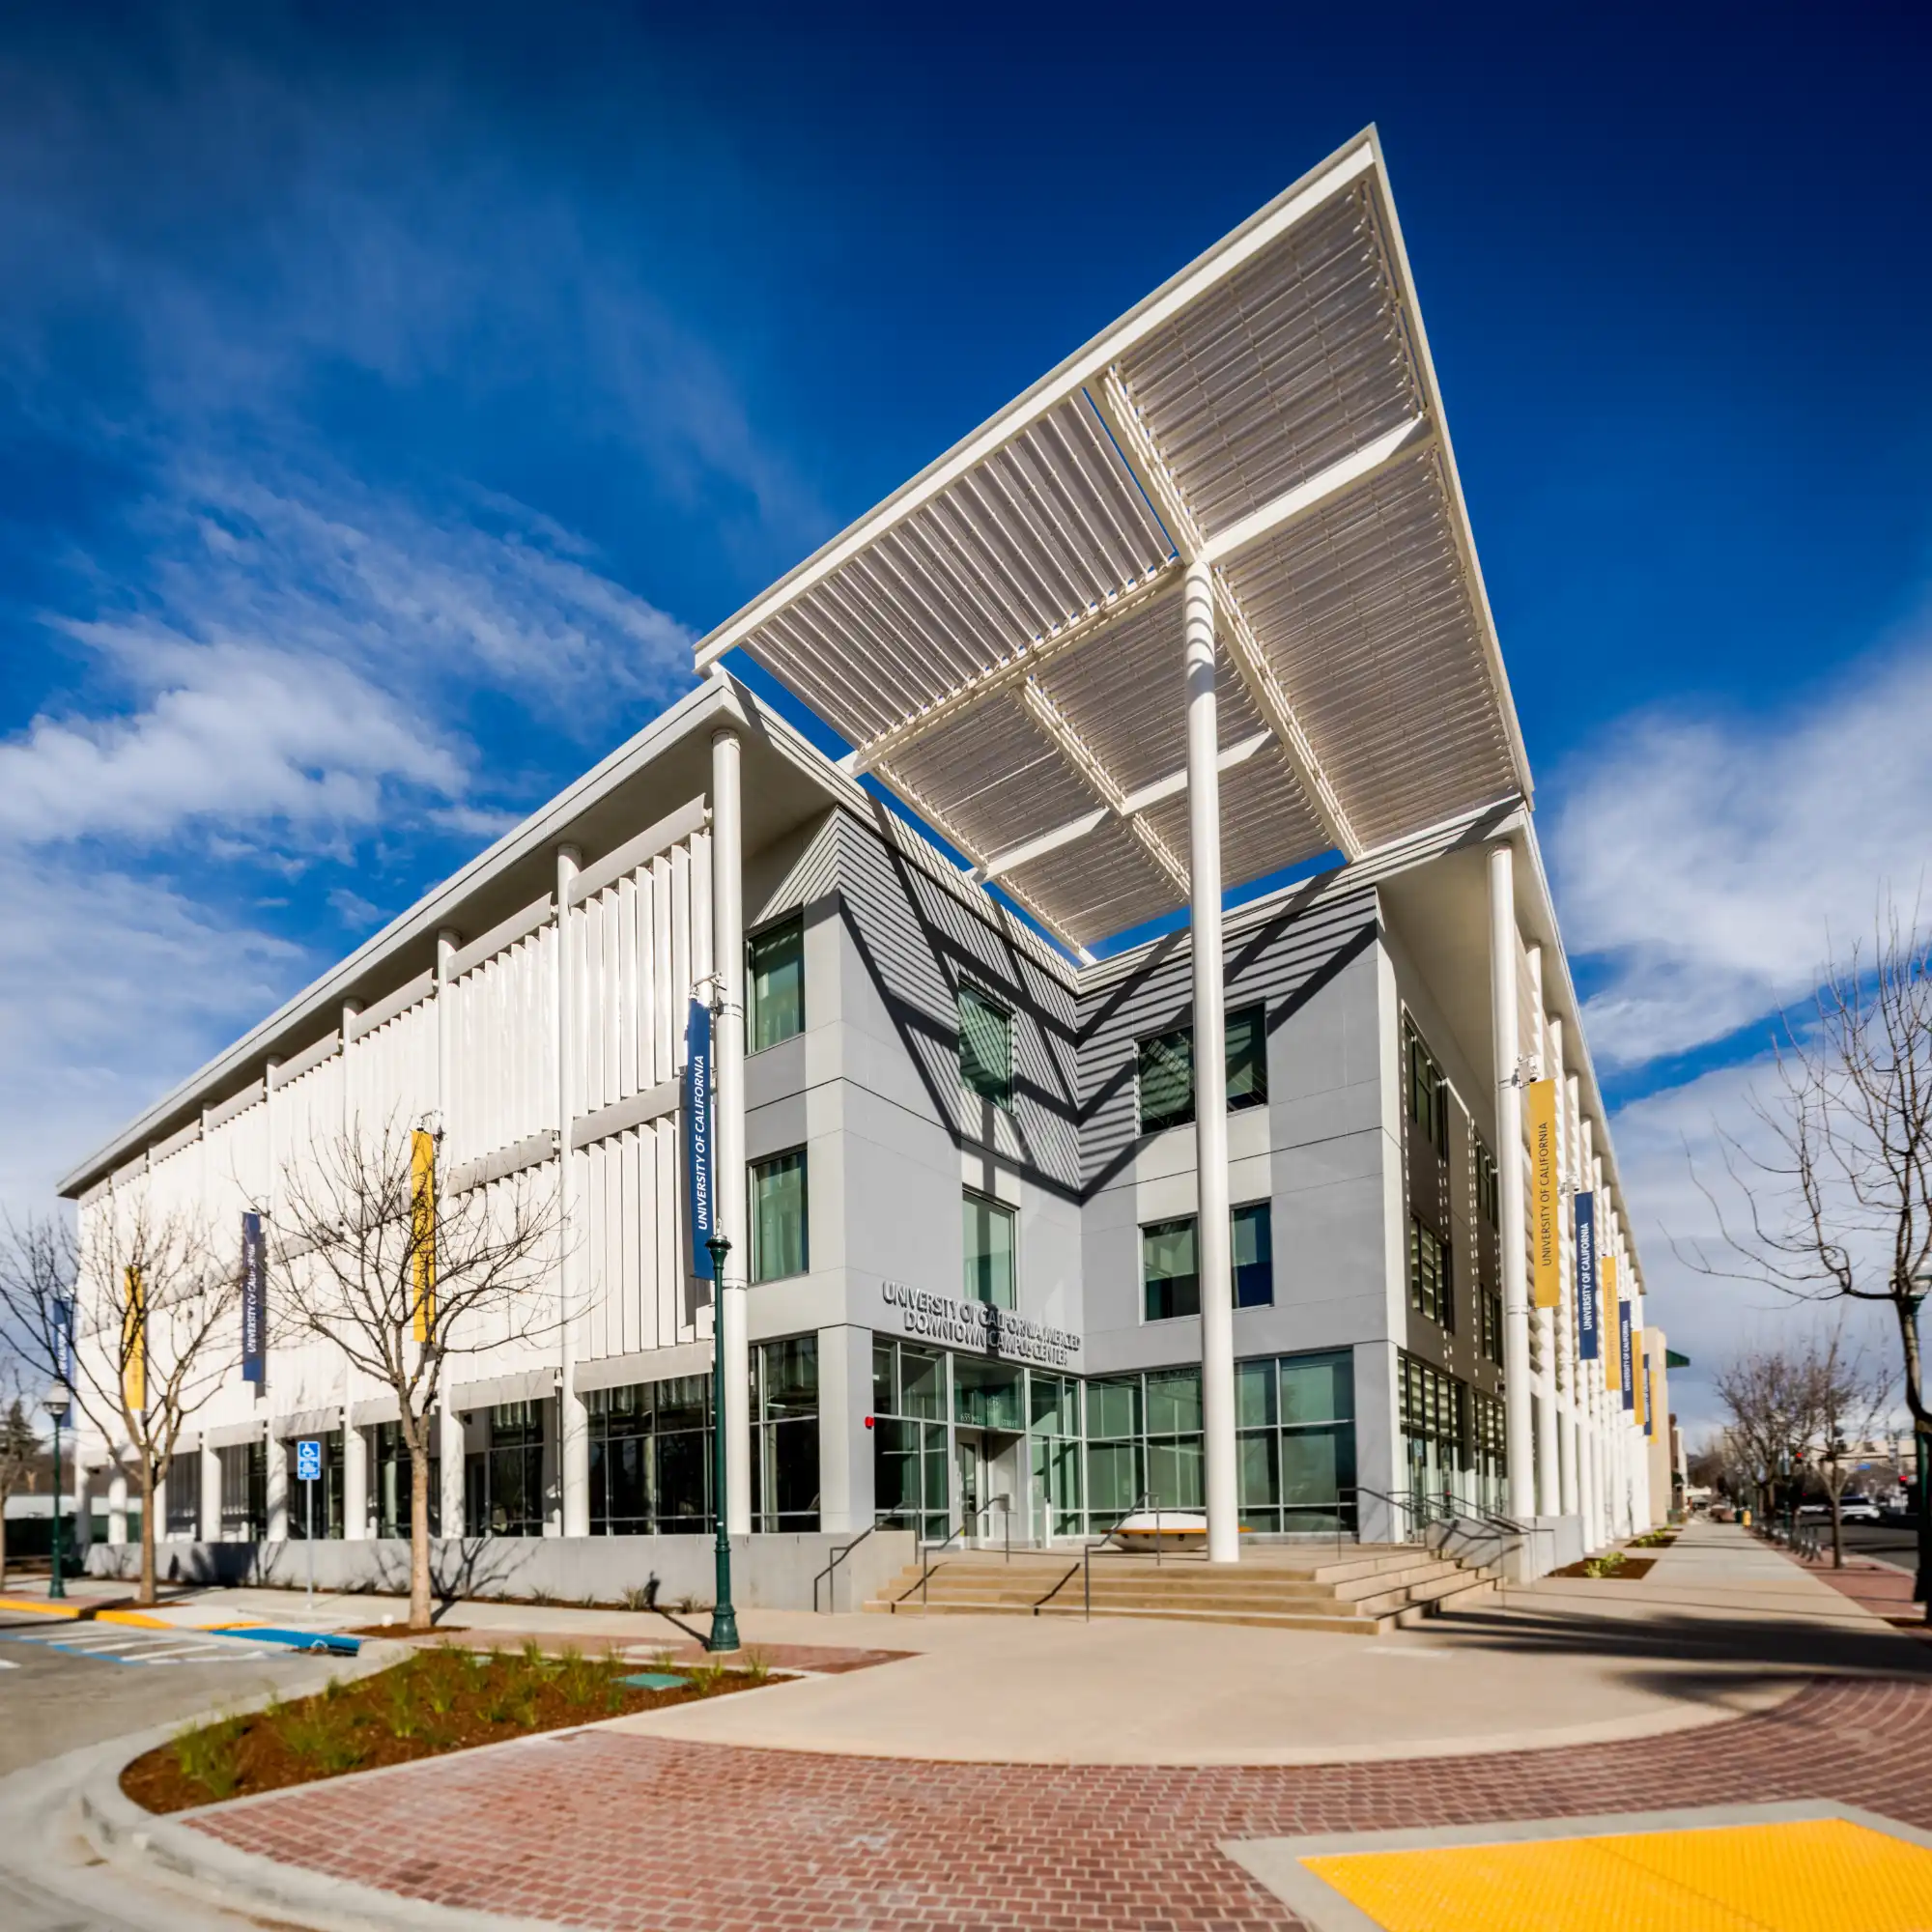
(55, 1402)
(724, 1617)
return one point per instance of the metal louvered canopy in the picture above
(1001, 641)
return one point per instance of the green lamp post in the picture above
(724, 1617)
(55, 1404)
(1921, 1588)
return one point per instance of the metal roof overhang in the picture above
(1001, 640)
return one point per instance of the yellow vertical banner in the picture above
(1613, 1354)
(134, 1343)
(1546, 1195)
(422, 1231)
(1640, 1376)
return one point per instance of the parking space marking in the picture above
(148, 1648)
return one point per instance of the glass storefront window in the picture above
(327, 1487)
(986, 1394)
(776, 977)
(650, 1458)
(503, 1486)
(183, 1517)
(390, 1487)
(784, 1442)
(779, 1238)
(1297, 1441)
(244, 1492)
(989, 1251)
(909, 1439)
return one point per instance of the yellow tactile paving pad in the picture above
(1825, 1875)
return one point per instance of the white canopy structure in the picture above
(1201, 605)
(1001, 641)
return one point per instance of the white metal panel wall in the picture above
(392, 1073)
(640, 947)
(501, 1081)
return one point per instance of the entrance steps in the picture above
(1362, 1591)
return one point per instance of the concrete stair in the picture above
(1362, 1591)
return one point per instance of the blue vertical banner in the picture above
(62, 1312)
(698, 1132)
(1624, 1354)
(254, 1302)
(1589, 1342)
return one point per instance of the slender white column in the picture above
(1548, 1482)
(210, 1492)
(729, 1202)
(354, 1446)
(1213, 1235)
(573, 1424)
(117, 1508)
(1570, 1488)
(1518, 1428)
(275, 1485)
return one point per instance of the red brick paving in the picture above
(614, 1830)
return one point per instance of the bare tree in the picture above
(1837, 1204)
(1852, 1396)
(19, 1443)
(1772, 1398)
(136, 1319)
(371, 1257)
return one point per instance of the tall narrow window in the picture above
(985, 1047)
(1488, 1187)
(989, 1251)
(1429, 1284)
(1247, 1058)
(1428, 1091)
(784, 1443)
(780, 1236)
(1254, 1255)
(1171, 1271)
(776, 977)
(1164, 1071)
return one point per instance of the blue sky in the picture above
(384, 404)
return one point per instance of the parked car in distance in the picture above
(1858, 1509)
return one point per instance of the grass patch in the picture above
(439, 1698)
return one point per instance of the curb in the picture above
(141, 1842)
(140, 1620)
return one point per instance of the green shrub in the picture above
(209, 1755)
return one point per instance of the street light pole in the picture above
(1921, 1588)
(55, 1405)
(724, 1617)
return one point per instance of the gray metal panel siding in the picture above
(917, 944)
(1281, 963)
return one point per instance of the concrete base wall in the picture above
(1552, 1543)
(768, 1573)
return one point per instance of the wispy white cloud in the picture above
(1710, 862)
(1667, 1143)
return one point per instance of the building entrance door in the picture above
(969, 1455)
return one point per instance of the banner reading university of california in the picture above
(254, 1302)
(1639, 1402)
(1546, 1182)
(1588, 1328)
(422, 1231)
(698, 1132)
(1625, 1360)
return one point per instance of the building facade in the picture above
(972, 1299)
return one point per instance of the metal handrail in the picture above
(1100, 1542)
(824, 1576)
(927, 1550)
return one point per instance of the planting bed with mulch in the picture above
(440, 1699)
(1626, 1572)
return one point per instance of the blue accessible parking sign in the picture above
(308, 1461)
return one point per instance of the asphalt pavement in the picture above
(66, 1687)
(1893, 1542)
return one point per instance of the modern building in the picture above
(1174, 711)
